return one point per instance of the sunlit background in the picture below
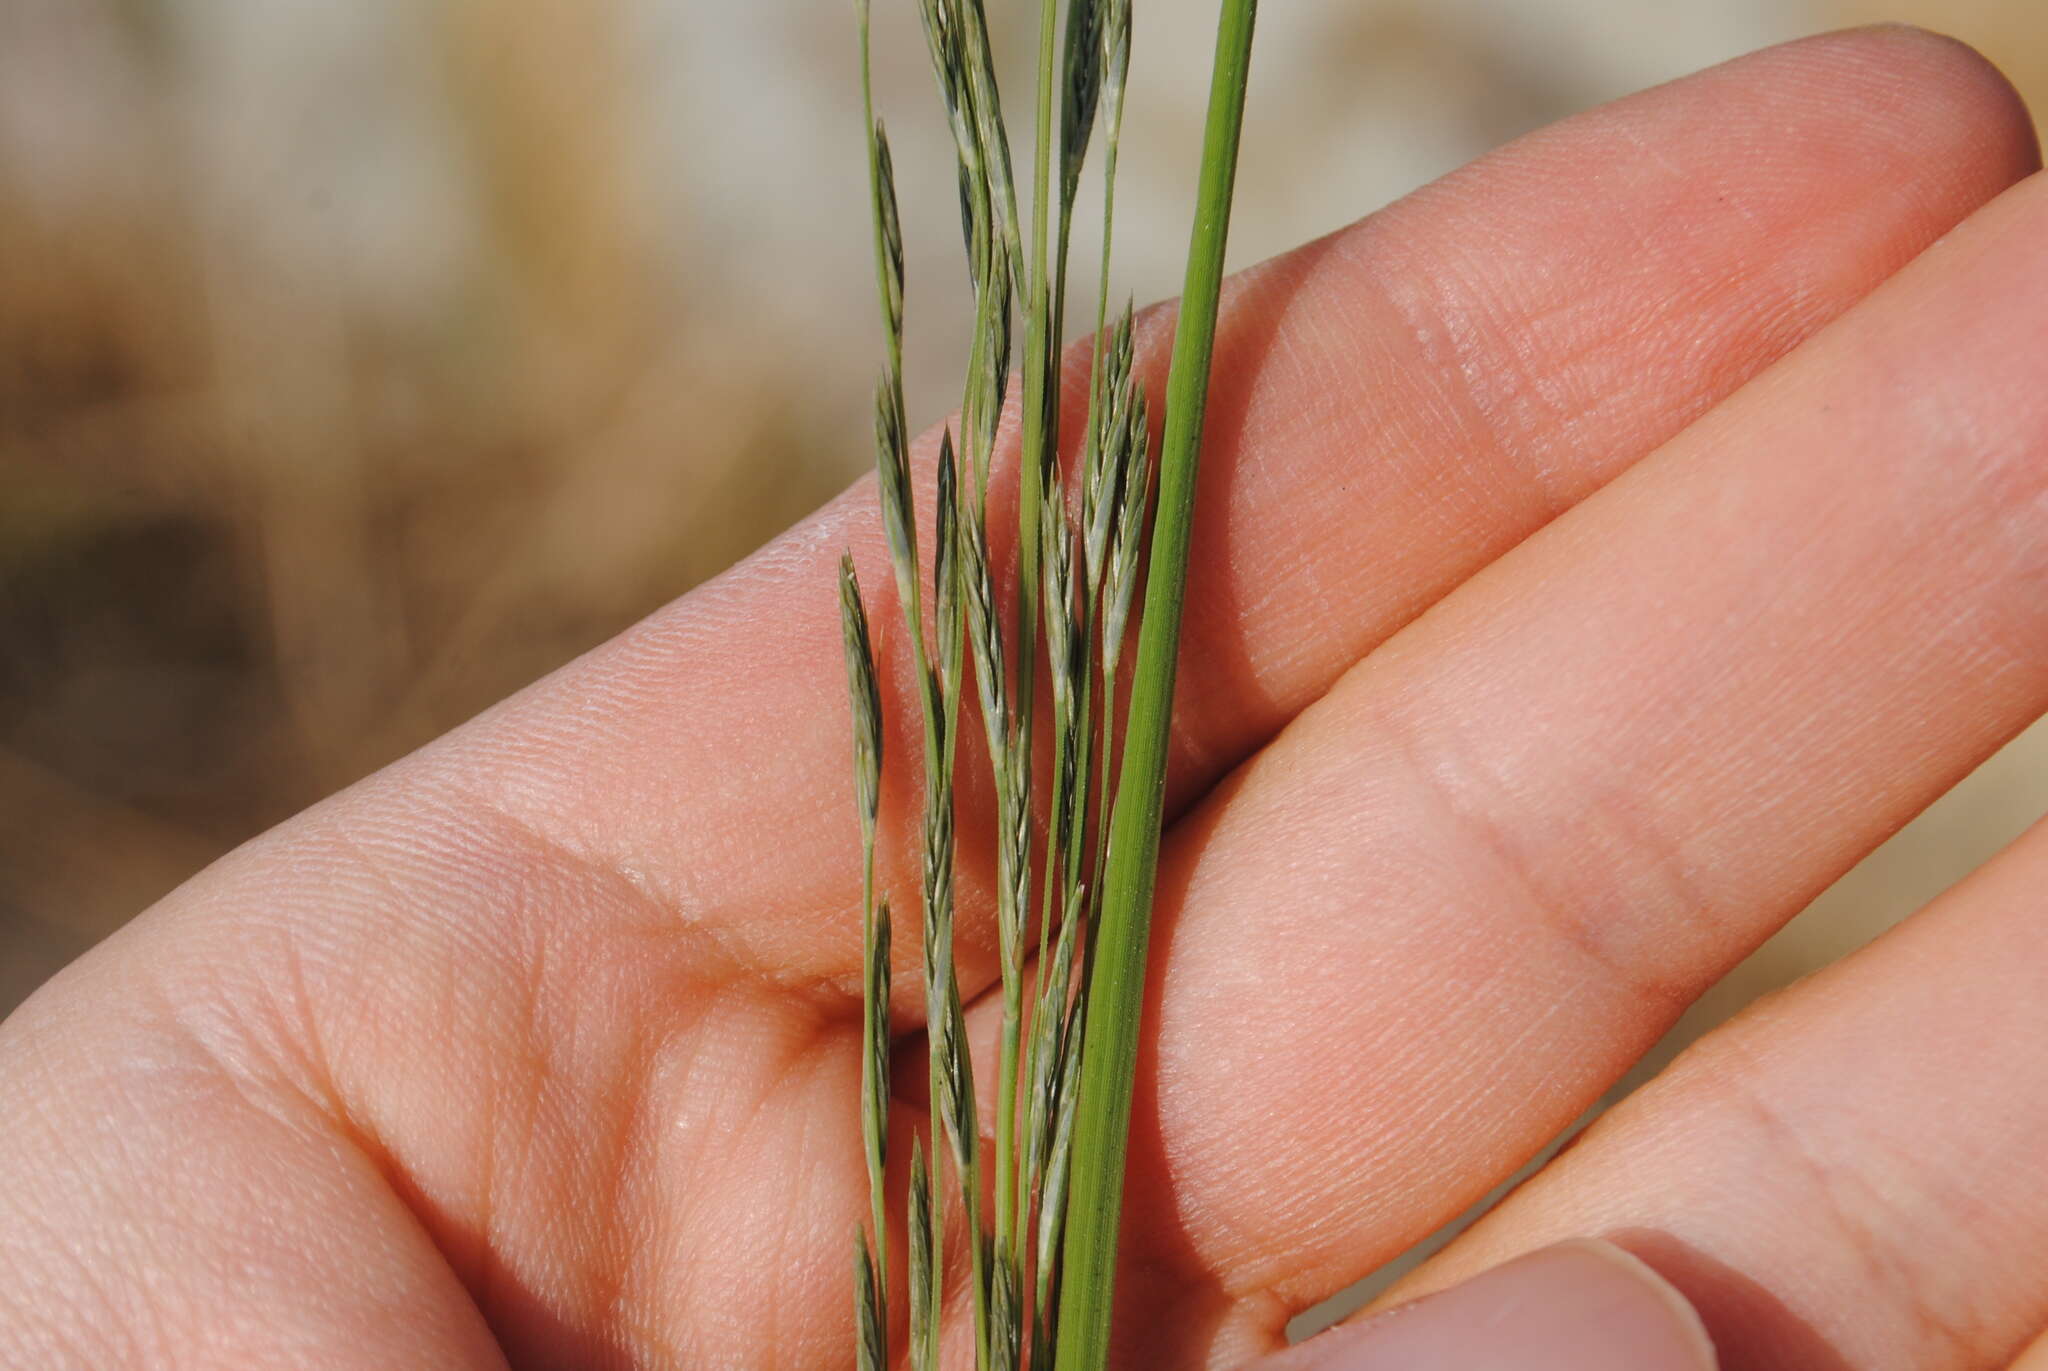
(361, 360)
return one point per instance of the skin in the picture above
(1600, 551)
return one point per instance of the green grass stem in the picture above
(1117, 985)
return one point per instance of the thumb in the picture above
(1580, 1306)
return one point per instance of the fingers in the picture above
(1486, 872)
(1394, 406)
(1847, 1176)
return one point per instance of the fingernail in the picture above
(1581, 1306)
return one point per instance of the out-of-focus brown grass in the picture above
(268, 520)
(256, 541)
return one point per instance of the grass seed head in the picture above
(892, 231)
(1084, 76)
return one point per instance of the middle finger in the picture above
(1425, 929)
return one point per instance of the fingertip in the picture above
(1663, 1304)
(1584, 1305)
(1931, 89)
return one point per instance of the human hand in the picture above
(1598, 554)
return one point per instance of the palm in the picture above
(540, 1049)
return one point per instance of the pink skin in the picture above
(1579, 1306)
(1724, 487)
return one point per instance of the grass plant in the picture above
(1039, 1202)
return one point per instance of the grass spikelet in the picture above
(1123, 571)
(926, 1282)
(872, 1351)
(892, 470)
(1106, 459)
(866, 695)
(992, 135)
(875, 1074)
(1006, 1315)
(891, 227)
(946, 574)
(1084, 79)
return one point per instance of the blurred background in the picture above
(362, 360)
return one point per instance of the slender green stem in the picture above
(1116, 994)
(891, 302)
